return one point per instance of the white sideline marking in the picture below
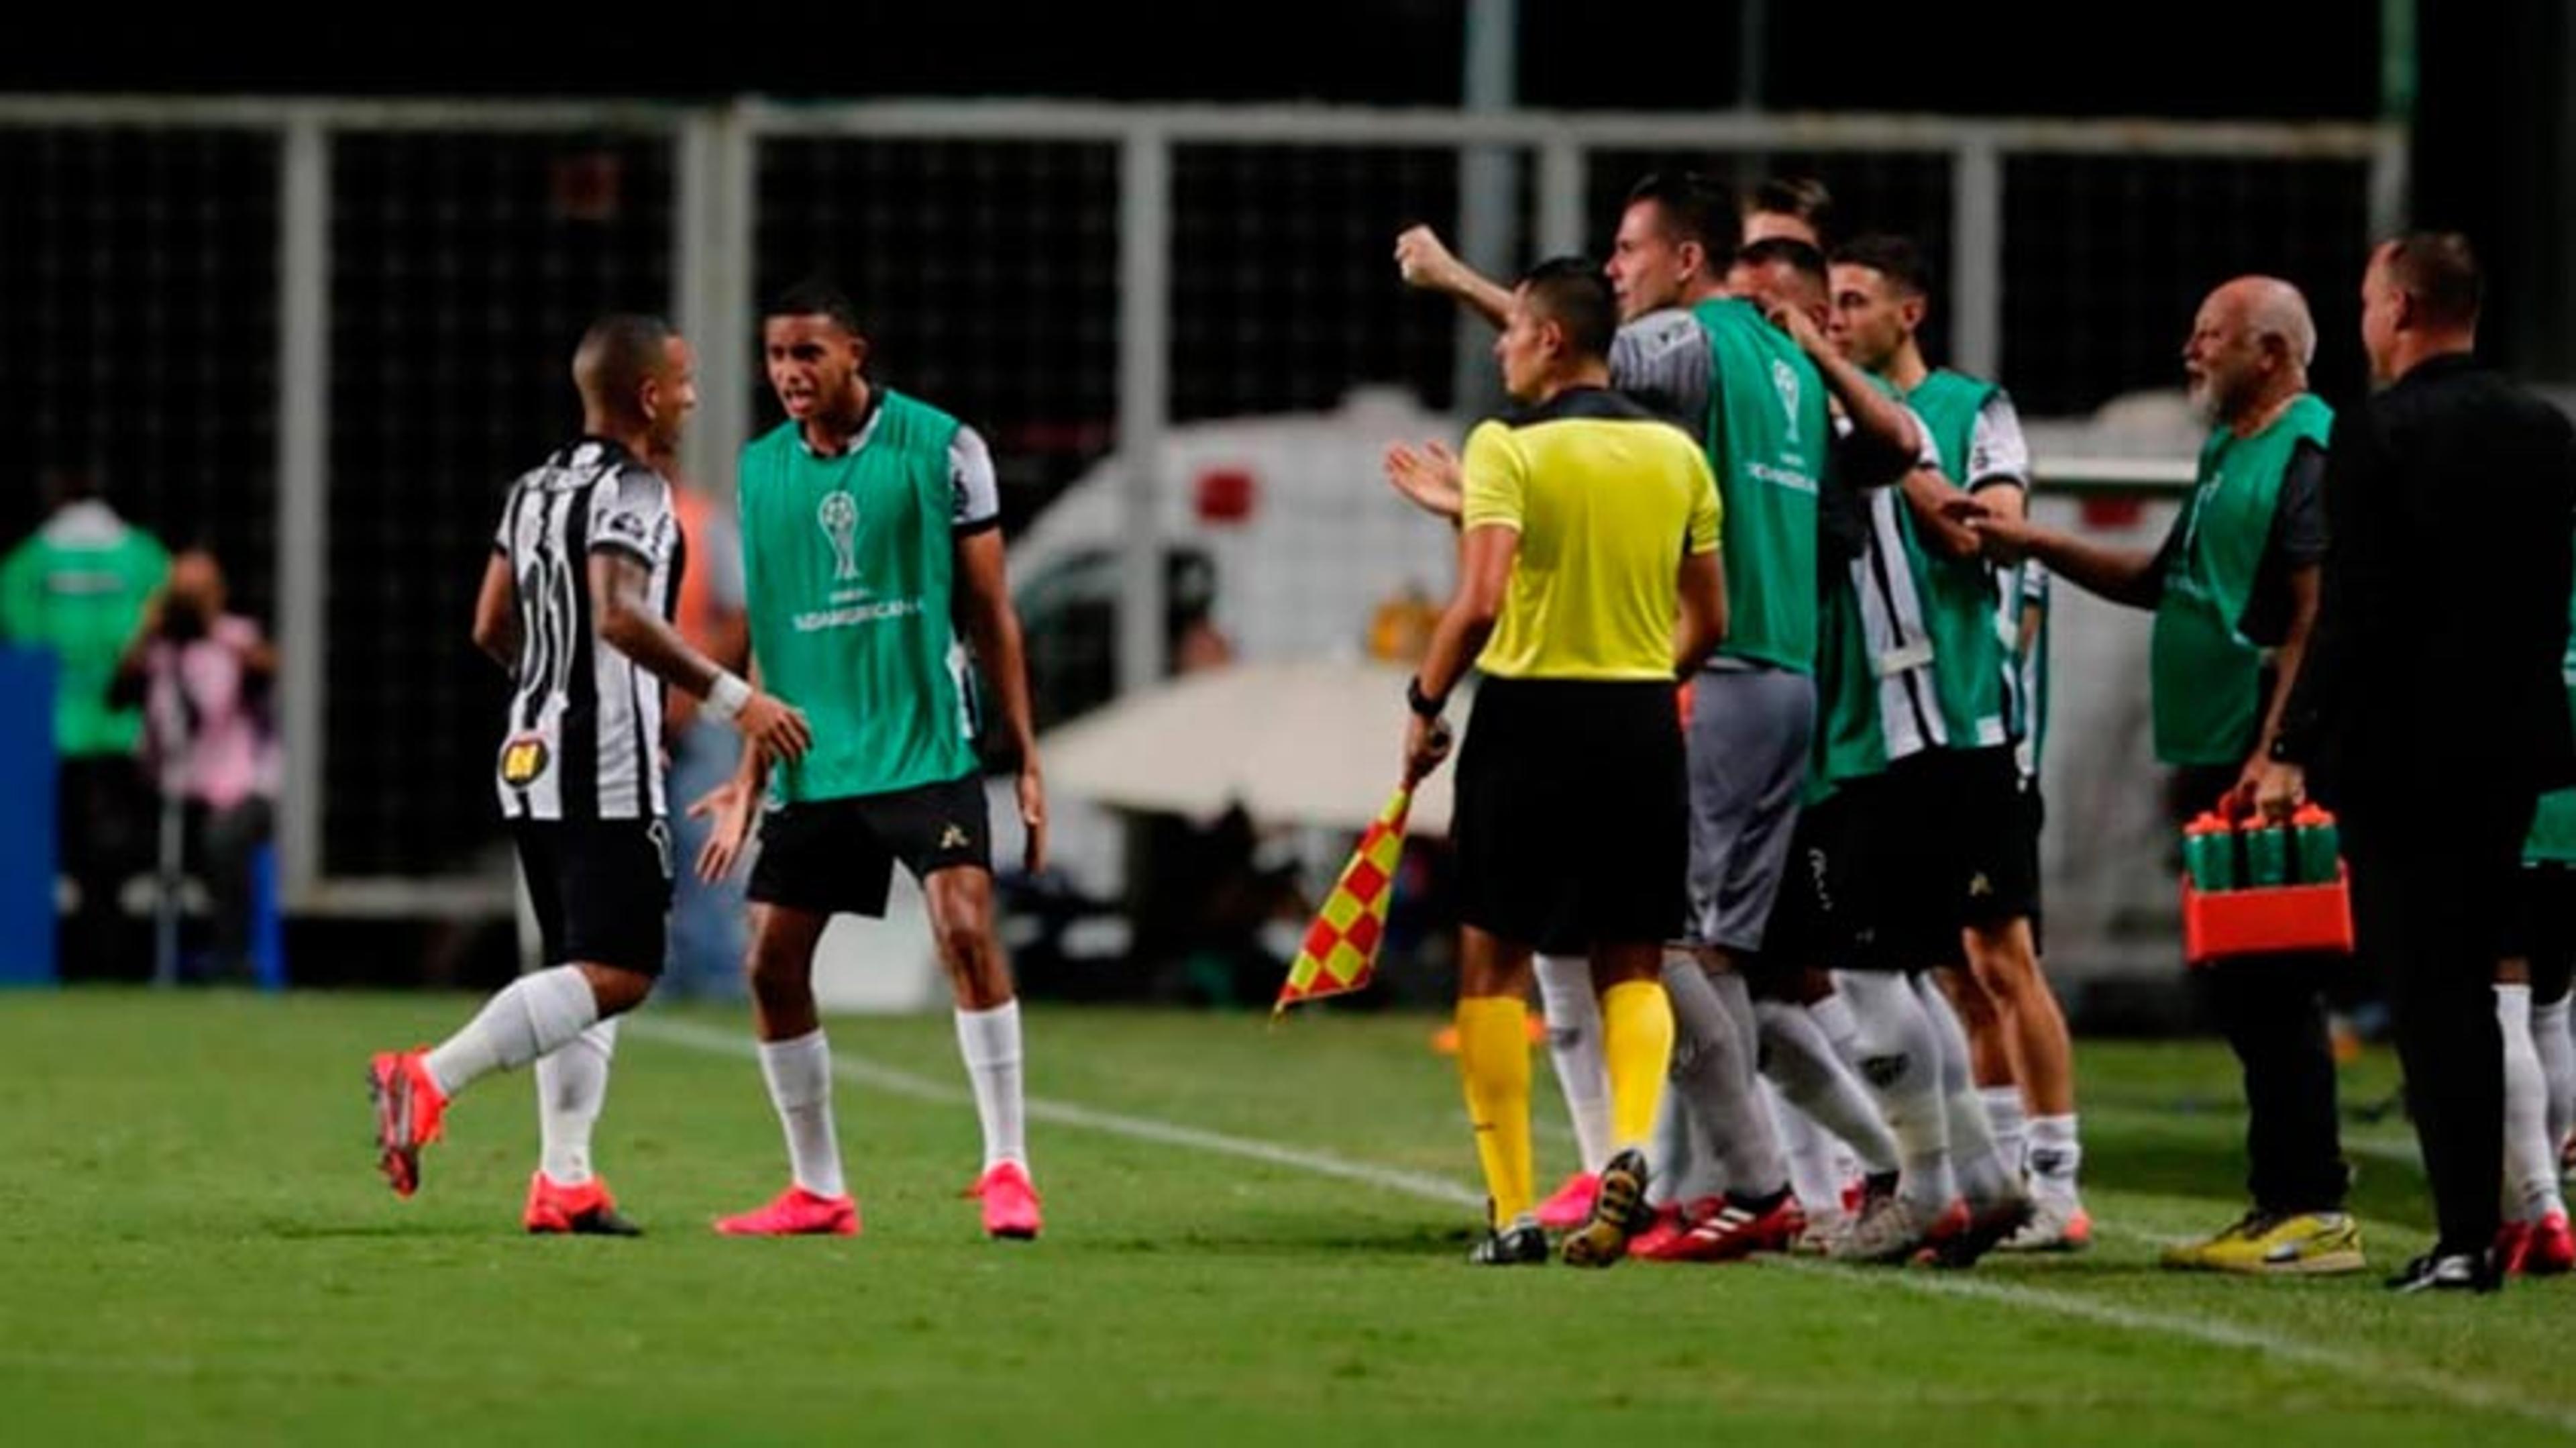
(2466, 1392)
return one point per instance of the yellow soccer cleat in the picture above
(2300, 1244)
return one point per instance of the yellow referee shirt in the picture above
(1606, 497)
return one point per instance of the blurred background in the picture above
(295, 302)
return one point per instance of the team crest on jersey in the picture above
(523, 759)
(839, 517)
(1784, 381)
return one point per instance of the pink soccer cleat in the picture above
(410, 1114)
(1571, 1207)
(796, 1212)
(1010, 1203)
(586, 1210)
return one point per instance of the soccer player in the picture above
(1969, 787)
(871, 531)
(1589, 580)
(2234, 589)
(575, 605)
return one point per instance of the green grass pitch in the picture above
(1253, 1236)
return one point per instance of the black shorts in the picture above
(1572, 823)
(1827, 915)
(1954, 849)
(601, 888)
(837, 856)
(2540, 929)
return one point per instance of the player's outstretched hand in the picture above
(2005, 540)
(728, 807)
(779, 728)
(1425, 261)
(1428, 477)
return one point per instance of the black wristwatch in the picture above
(1421, 703)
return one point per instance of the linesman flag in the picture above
(1340, 953)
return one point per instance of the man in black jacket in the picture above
(2431, 707)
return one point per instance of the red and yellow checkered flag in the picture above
(1340, 954)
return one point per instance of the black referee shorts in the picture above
(837, 856)
(601, 889)
(1572, 824)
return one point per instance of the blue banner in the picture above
(27, 864)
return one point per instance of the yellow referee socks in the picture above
(1636, 1044)
(1493, 1057)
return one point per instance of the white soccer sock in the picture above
(1573, 1011)
(1833, 1016)
(2530, 1166)
(990, 1042)
(799, 1073)
(572, 1081)
(1712, 1065)
(1982, 1178)
(1902, 1065)
(1810, 1151)
(2549, 1036)
(1799, 1060)
(2012, 1126)
(2056, 1157)
(526, 1019)
(1676, 1169)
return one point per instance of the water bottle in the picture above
(2267, 857)
(2319, 846)
(2209, 854)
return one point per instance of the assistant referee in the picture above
(1588, 581)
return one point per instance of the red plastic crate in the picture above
(2267, 921)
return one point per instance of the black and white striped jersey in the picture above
(584, 735)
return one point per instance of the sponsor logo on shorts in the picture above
(953, 838)
(523, 759)
(1980, 887)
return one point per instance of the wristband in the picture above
(1421, 703)
(727, 695)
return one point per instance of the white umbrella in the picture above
(1315, 742)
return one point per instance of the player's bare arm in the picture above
(1703, 612)
(1426, 262)
(1884, 444)
(1485, 557)
(620, 595)
(496, 614)
(2121, 575)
